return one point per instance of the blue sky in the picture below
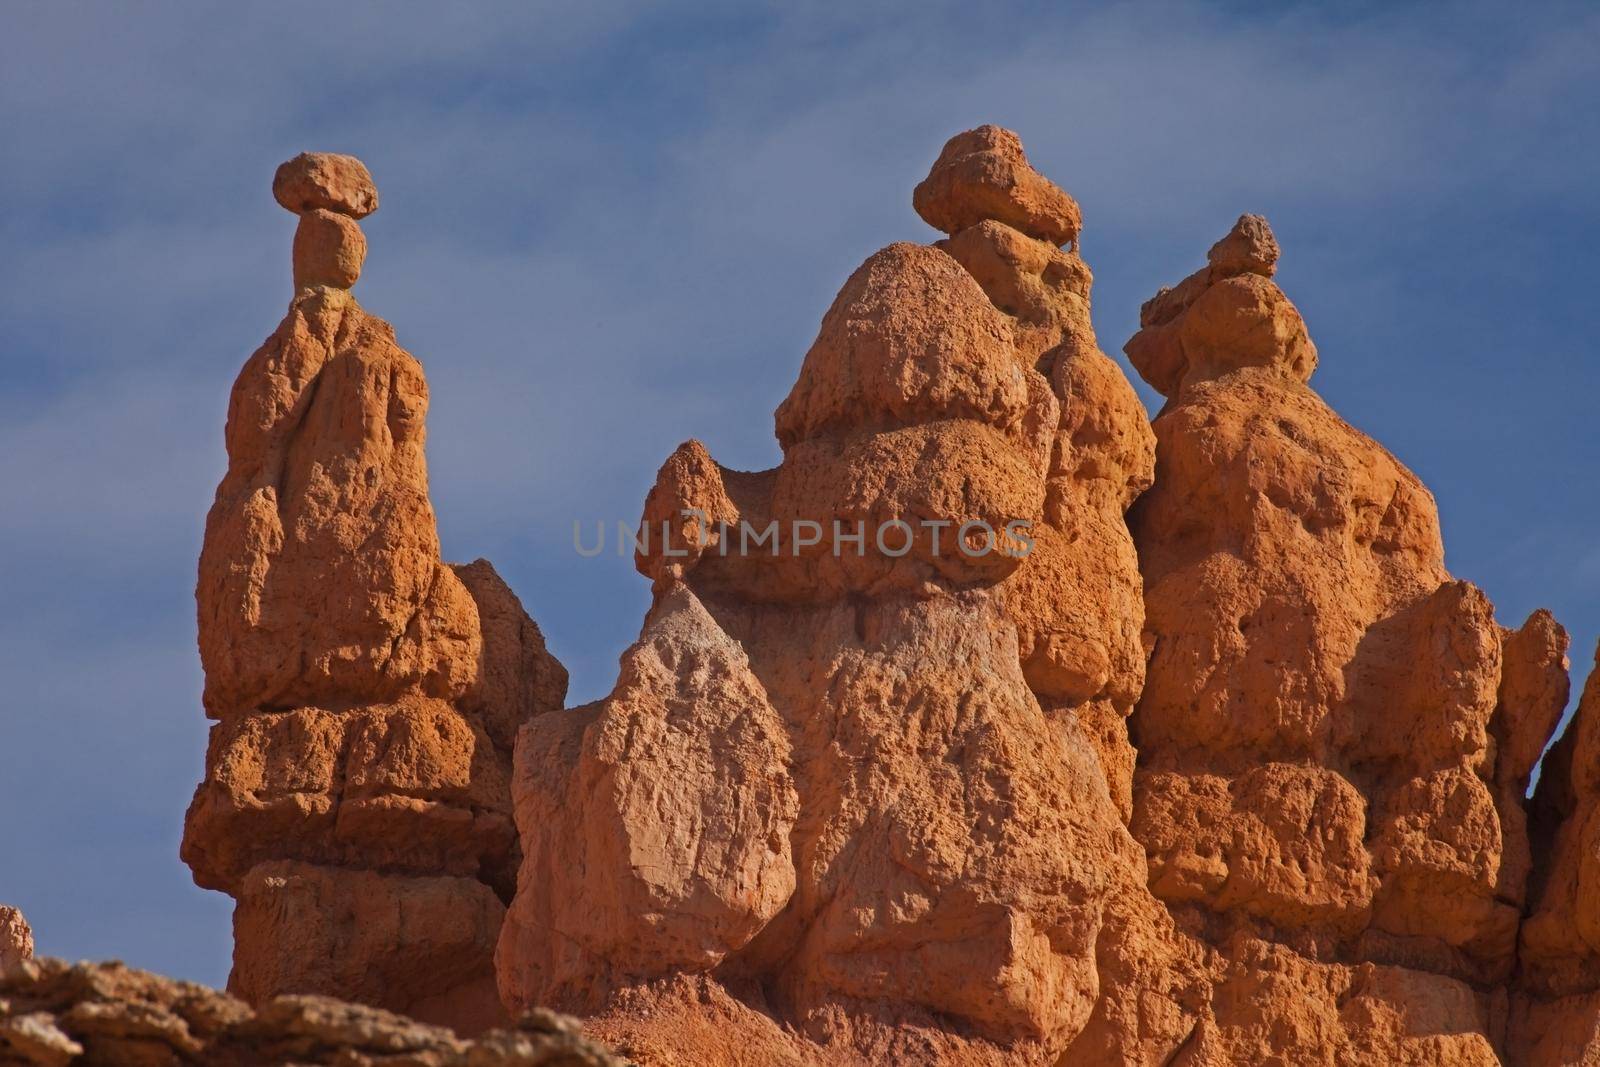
(609, 227)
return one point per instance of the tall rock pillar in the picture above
(356, 801)
(824, 816)
(1335, 734)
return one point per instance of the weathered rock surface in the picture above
(53, 1014)
(863, 805)
(329, 249)
(16, 938)
(357, 793)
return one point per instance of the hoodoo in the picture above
(1334, 735)
(851, 805)
(356, 801)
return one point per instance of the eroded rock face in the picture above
(367, 695)
(855, 804)
(869, 804)
(53, 1014)
(16, 938)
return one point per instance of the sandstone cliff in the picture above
(367, 695)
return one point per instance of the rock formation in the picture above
(852, 801)
(824, 798)
(995, 725)
(53, 1015)
(1334, 736)
(356, 801)
(16, 939)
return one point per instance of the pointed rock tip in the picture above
(326, 181)
(983, 173)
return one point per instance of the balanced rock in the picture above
(1077, 603)
(1249, 248)
(16, 939)
(357, 798)
(325, 181)
(983, 174)
(1226, 315)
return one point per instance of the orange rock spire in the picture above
(356, 801)
(829, 775)
(1334, 735)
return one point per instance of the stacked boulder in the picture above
(824, 816)
(356, 801)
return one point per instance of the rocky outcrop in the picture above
(367, 695)
(54, 1015)
(825, 797)
(16, 938)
